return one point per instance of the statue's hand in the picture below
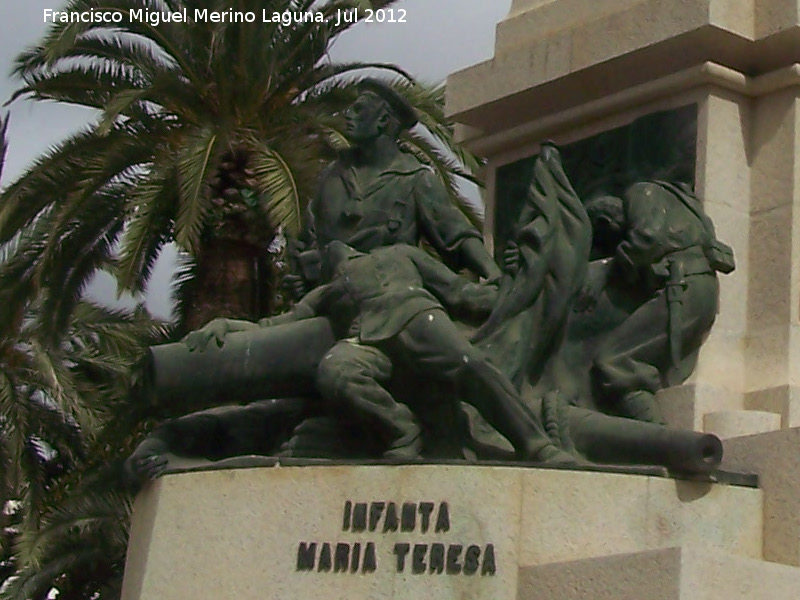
(624, 264)
(481, 299)
(148, 461)
(295, 284)
(215, 330)
(511, 258)
(594, 286)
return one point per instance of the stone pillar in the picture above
(723, 182)
(772, 350)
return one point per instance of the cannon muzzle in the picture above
(613, 440)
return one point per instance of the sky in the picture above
(437, 38)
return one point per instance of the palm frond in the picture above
(150, 225)
(57, 425)
(182, 289)
(51, 176)
(429, 103)
(275, 180)
(447, 169)
(194, 164)
(81, 515)
(3, 143)
(107, 333)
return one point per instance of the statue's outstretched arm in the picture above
(148, 461)
(456, 293)
(218, 329)
(257, 428)
(474, 255)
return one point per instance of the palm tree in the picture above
(209, 134)
(67, 421)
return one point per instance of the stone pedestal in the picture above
(668, 574)
(447, 532)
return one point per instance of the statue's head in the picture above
(378, 111)
(607, 215)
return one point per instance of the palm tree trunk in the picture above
(233, 279)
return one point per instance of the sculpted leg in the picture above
(636, 361)
(258, 428)
(436, 348)
(627, 368)
(353, 375)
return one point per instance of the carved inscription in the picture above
(419, 557)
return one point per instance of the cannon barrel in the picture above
(271, 362)
(281, 361)
(613, 440)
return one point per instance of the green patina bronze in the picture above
(603, 299)
(375, 195)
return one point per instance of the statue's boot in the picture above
(553, 456)
(408, 446)
(499, 403)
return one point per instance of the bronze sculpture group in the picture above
(392, 354)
